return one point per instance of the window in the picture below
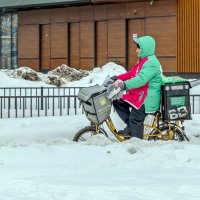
(8, 41)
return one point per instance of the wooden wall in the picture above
(188, 36)
(28, 46)
(88, 36)
(112, 1)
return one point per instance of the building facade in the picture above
(86, 34)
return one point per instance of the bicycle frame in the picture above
(112, 128)
(155, 128)
(159, 122)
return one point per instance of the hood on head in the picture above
(147, 46)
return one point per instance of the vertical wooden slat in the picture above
(45, 50)
(198, 35)
(87, 45)
(102, 44)
(75, 45)
(59, 35)
(28, 46)
(188, 36)
(116, 41)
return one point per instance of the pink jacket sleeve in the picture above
(126, 76)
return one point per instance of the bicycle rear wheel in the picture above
(177, 134)
(86, 133)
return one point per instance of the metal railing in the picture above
(195, 104)
(16, 102)
(39, 101)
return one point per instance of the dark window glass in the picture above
(8, 41)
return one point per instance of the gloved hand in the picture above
(110, 81)
(114, 78)
(115, 90)
(119, 84)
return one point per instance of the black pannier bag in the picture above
(96, 105)
(175, 100)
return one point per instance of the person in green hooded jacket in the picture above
(142, 84)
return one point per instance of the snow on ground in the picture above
(39, 161)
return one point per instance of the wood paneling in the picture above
(86, 63)
(168, 64)
(166, 39)
(161, 8)
(73, 14)
(165, 35)
(59, 40)
(28, 17)
(136, 26)
(44, 16)
(57, 62)
(74, 45)
(116, 38)
(133, 10)
(87, 39)
(189, 36)
(102, 44)
(116, 11)
(59, 15)
(158, 20)
(86, 13)
(113, 1)
(100, 12)
(32, 63)
(45, 47)
(28, 41)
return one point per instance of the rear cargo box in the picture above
(175, 101)
(96, 105)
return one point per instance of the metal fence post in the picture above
(42, 94)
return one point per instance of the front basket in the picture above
(96, 105)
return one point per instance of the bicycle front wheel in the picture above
(168, 133)
(86, 133)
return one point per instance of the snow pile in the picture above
(59, 76)
(64, 74)
(25, 73)
(98, 75)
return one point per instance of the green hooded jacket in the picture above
(150, 73)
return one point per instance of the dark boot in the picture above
(125, 131)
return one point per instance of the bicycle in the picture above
(165, 124)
